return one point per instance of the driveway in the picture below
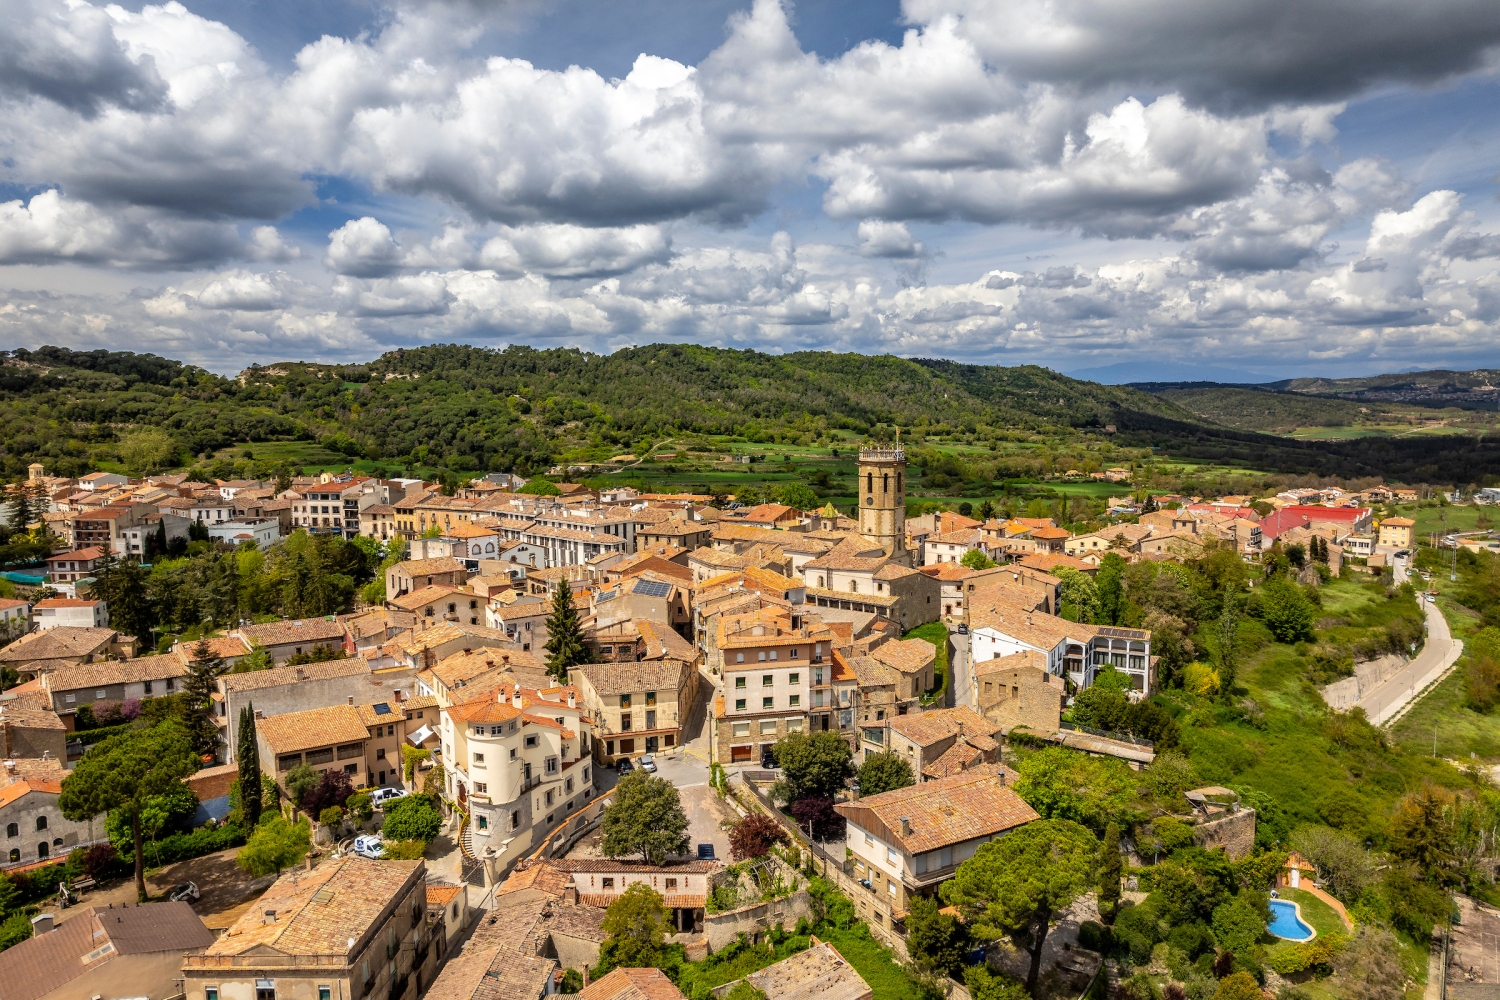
(961, 687)
(1402, 687)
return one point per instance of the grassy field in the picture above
(937, 634)
(1441, 718)
(1315, 913)
(1447, 518)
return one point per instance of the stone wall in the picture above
(721, 929)
(1235, 832)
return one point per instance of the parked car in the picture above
(768, 760)
(381, 796)
(648, 763)
(624, 766)
(369, 845)
(963, 628)
(187, 892)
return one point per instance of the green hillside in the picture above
(469, 409)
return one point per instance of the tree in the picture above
(411, 818)
(814, 765)
(275, 845)
(204, 670)
(247, 754)
(299, 781)
(565, 646)
(122, 584)
(798, 495)
(259, 659)
(22, 507)
(1238, 924)
(1343, 864)
(1110, 588)
(636, 924)
(332, 789)
(403, 850)
(410, 757)
(937, 941)
(817, 815)
(883, 772)
(359, 807)
(977, 559)
(1060, 783)
(984, 984)
(986, 510)
(123, 774)
(1286, 611)
(147, 450)
(1015, 885)
(540, 487)
(646, 818)
(1111, 871)
(1242, 986)
(332, 817)
(1080, 596)
(753, 836)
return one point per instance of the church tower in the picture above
(882, 498)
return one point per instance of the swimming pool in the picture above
(1287, 923)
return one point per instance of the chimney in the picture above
(41, 923)
(504, 657)
(515, 696)
(570, 895)
(572, 699)
(309, 860)
(906, 826)
(351, 699)
(268, 917)
(259, 715)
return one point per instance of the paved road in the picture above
(1401, 571)
(1401, 687)
(961, 690)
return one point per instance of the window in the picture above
(212, 993)
(891, 886)
(481, 788)
(607, 882)
(42, 849)
(650, 698)
(549, 796)
(794, 725)
(795, 652)
(890, 855)
(767, 702)
(323, 756)
(351, 768)
(671, 883)
(551, 768)
(15, 854)
(766, 680)
(739, 704)
(793, 678)
(325, 993)
(265, 989)
(795, 700)
(148, 687)
(12, 830)
(869, 840)
(625, 722)
(768, 727)
(380, 754)
(609, 746)
(99, 694)
(739, 657)
(478, 757)
(739, 683)
(41, 822)
(530, 742)
(740, 729)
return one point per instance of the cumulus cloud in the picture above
(50, 228)
(364, 248)
(878, 238)
(68, 54)
(1254, 53)
(242, 290)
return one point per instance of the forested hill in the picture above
(468, 408)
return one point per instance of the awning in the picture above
(420, 736)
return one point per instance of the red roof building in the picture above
(1352, 519)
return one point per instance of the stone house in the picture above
(405, 577)
(1017, 690)
(325, 739)
(34, 827)
(941, 742)
(111, 682)
(766, 658)
(285, 639)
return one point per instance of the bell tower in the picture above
(882, 498)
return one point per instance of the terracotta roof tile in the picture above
(819, 973)
(309, 630)
(906, 655)
(975, 803)
(314, 727)
(255, 680)
(932, 726)
(631, 984)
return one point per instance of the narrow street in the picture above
(960, 664)
(1402, 687)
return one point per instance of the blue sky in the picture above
(1259, 187)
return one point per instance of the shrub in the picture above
(411, 818)
(753, 836)
(816, 813)
(333, 816)
(403, 850)
(359, 806)
(332, 790)
(1094, 936)
(200, 842)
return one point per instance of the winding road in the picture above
(1401, 688)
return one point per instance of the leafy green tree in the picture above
(299, 781)
(1239, 923)
(539, 487)
(1060, 783)
(403, 850)
(359, 806)
(984, 984)
(22, 507)
(937, 941)
(411, 818)
(410, 757)
(986, 510)
(1239, 986)
(275, 845)
(814, 765)
(258, 659)
(123, 774)
(15, 929)
(332, 817)
(882, 772)
(636, 926)
(1286, 611)
(247, 757)
(147, 450)
(645, 818)
(1110, 588)
(565, 646)
(976, 559)
(1080, 596)
(798, 495)
(122, 584)
(1015, 885)
(1111, 871)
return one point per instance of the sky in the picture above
(1158, 187)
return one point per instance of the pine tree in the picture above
(247, 754)
(1111, 870)
(20, 499)
(202, 681)
(565, 646)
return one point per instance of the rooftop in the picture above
(106, 672)
(633, 678)
(906, 655)
(493, 973)
(975, 803)
(314, 727)
(431, 567)
(256, 680)
(317, 913)
(311, 630)
(61, 643)
(819, 973)
(632, 984)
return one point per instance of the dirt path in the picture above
(226, 890)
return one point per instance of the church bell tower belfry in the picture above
(882, 497)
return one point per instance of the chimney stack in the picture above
(572, 699)
(570, 895)
(906, 826)
(309, 860)
(351, 699)
(515, 696)
(41, 924)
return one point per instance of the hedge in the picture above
(181, 846)
(88, 737)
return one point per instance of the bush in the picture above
(332, 790)
(753, 837)
(403, 850)
(411, 818)
(816, 813)
(1094, 936)
(192, 845)
(333, 816)
(359, 806)
(102, 861)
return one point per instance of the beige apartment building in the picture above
(636, 707)
(767, 660)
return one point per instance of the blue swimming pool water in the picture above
(1286, 924)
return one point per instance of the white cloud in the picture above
(242, 290)
(50, 228)
(878, 238)
(365, 248)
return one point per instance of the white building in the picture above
(520, 763)
(71, 612)
(1073, 650)
(260, 530)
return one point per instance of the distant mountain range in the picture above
(1127, 372)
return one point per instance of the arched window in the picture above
(42, 849)
(41, 822)
(898, 482)
(56, 841)
(869, 482)
(12, 830)
(15, 854)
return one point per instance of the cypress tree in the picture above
(565, 646)
(1111, 870)
(248, 756)
(202, 680)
